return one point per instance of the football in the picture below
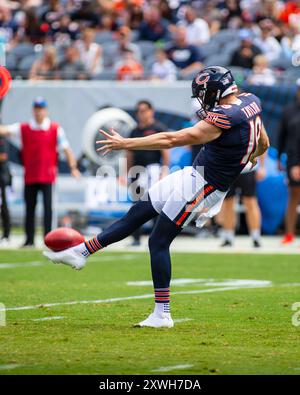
(62, 238)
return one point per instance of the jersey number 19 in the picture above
(255, 126)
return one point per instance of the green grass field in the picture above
(225, 328)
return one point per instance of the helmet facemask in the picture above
(207, 100)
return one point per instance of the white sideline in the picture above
(112, 300)
(169, 368)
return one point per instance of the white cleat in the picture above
(156, 321)
(68, 257)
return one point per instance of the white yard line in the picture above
(179, 320)
(174, 367)
(125, 257)
(9, 367)
(25, 264)
(112, 300)
(207, 282)
(48, 318)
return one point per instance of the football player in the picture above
(233, 136)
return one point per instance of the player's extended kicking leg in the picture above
(177, 207)
(138, 214)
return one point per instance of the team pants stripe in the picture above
(188, 208)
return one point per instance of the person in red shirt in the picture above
(41, 139)
(129, 68)
(291, 7)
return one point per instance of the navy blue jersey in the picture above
(224, 158)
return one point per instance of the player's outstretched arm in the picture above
(201, 133)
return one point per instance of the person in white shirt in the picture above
(267, 43)
(41, 139)
(261, 74)
(90, 52)
(197, 28)
(163, 69)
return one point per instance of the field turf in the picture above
(225, 326)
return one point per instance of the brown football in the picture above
(62, 238)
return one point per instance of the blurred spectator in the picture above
(266, 9)
(290, 42)
(64, 30)
(245, 54)
(166, 11)
(52, 11)
(71, 68)
(129, 68)
(197, 29)
(85, 13)
(153, 27)
(134, 15)
(90, 52)
(107, 23)
(185, 56)
(124, 43)
(8, 26)
(232, 10)
(268, 44)
(261, 74)
(34, 31)
(163, 69)
(289, 136)
(46, 67)
(290, 9)
(121, 6)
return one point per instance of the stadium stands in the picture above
(27, 29)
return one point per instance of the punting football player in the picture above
(234, 137)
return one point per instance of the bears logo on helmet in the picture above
(201, 79)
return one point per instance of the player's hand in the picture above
(253, 160)
(75, 172)
(261, 173)
(295, 173)
(114, 141)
